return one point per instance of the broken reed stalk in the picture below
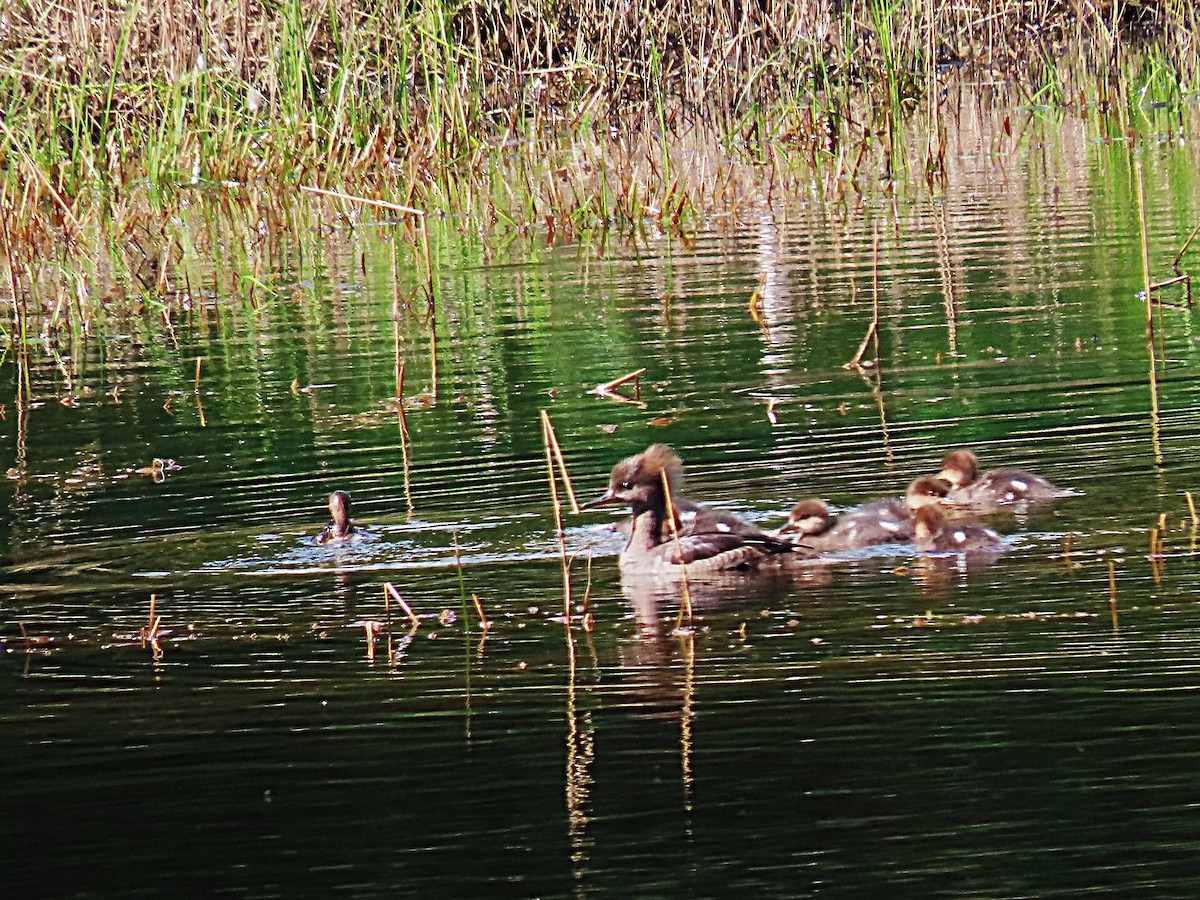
(1192, 510)
(856, 361)
(149, 632)
(389, 589)
(587, 589)
(381, 204)
(548, 430)
(686, 607)
(484, 622)
(199, 363)
(1068, 544)
(1183, 250)
(610, 386)
(873, 326)
(1169, 282)
(462, 585)
(558, 523)
(405, 437)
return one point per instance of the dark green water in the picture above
(888, 725)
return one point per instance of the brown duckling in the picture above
(989, 490)
(340, 527)
(934, 533)
(878, 522)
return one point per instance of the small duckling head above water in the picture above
(808, 517)
(340, 525)
(935, 533)
(988, 490)
(959, 468)
(926, 491)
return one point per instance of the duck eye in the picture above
(625, 485)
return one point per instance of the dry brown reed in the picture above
(390, 593)
(556, 507)
(685, 608)
(413, 104)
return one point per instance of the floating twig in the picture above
(608, 390)
(610, 386)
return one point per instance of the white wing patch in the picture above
(893, 527)
(722, 527)
(1019, 484)
(960, 536)
(688, 516)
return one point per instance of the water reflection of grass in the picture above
(136, 140)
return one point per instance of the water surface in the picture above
(889, 722)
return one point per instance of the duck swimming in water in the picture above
(709, 541)
(990, 490)
(878, 522)
(934, 533)
(340, 527)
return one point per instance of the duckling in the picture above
(709, 541)
(878, 522)
(340, 527)
(990, 490)
(934, 533)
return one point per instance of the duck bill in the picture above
(947, 476)
(607, 497)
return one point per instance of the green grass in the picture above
(144, 139)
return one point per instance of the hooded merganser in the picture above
(340, 527)
(709, 540)
(878, 522)
(934, 533)
(960, 469)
